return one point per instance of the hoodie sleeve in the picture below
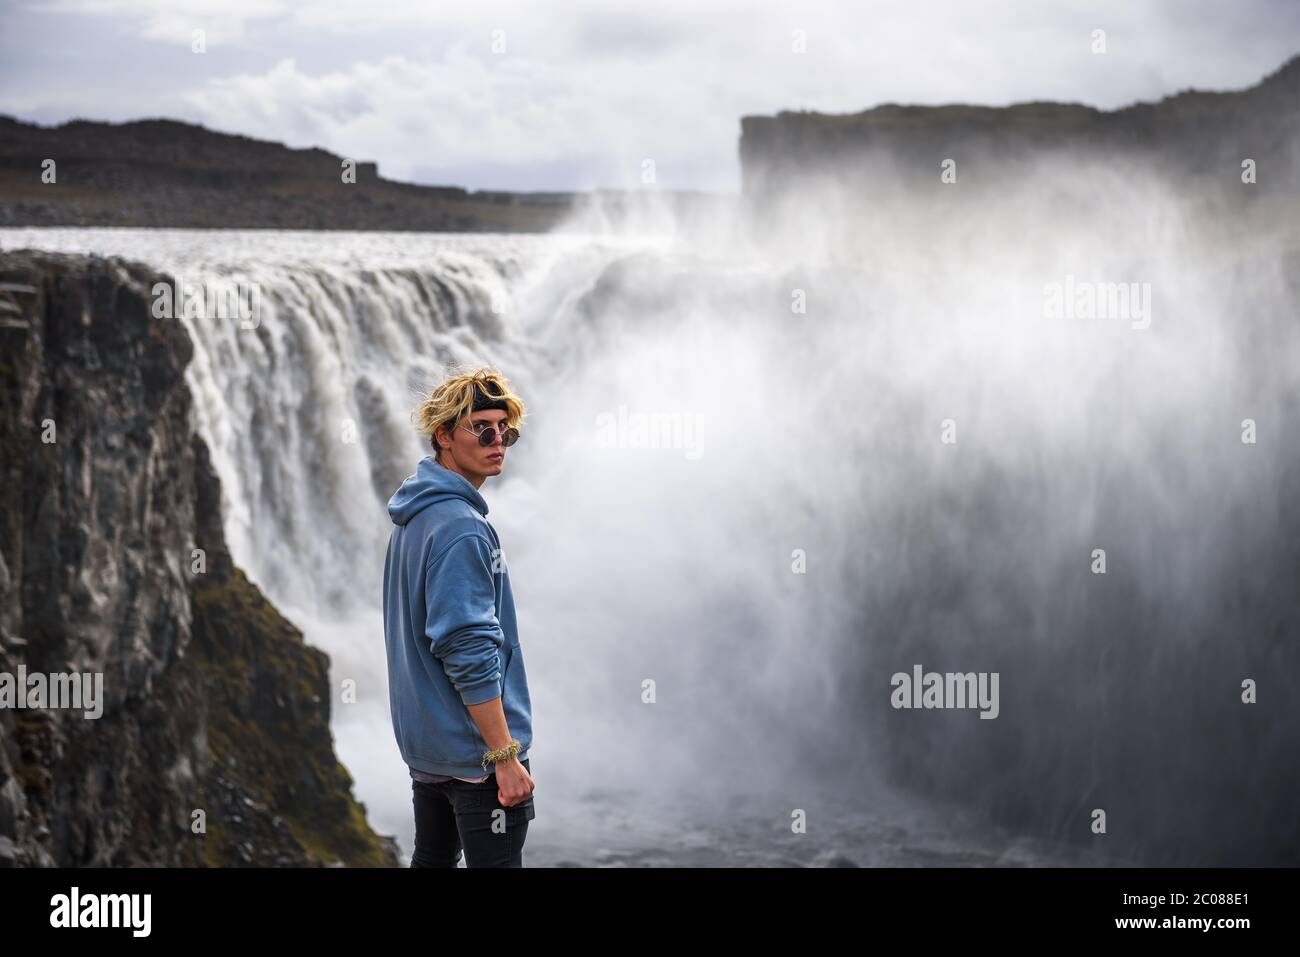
(462, 625)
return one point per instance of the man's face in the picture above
(474, 461)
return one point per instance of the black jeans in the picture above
(451, 815)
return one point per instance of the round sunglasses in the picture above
(488, 433)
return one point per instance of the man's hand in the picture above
(514, 783)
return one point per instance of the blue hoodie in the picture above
(449, 625)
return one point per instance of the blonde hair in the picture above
(453, 398)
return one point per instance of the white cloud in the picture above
(464, 109)
(586, 85)
(174, 21)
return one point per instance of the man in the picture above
(452, 641)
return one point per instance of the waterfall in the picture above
(735, 512)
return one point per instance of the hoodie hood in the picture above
(431, 483)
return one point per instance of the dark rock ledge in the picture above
(211, 699)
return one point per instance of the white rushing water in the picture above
(816, 431)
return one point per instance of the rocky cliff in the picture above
(1198, 137)
(169, 173)
(213, 746)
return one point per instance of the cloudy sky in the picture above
(573, 94)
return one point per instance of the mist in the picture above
(775, 456)
(891, 388)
